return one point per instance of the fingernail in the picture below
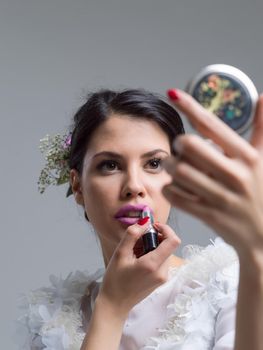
(143, 221)
(173, 94)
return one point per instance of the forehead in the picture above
(127, 131)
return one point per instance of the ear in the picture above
(76, 186)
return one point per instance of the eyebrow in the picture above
(118, 156)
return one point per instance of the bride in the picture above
(120, 157)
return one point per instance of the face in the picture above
(122, 167)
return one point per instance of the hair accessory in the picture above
(227, 92)
(56, 170)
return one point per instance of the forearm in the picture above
(249, 319)
(105, 328)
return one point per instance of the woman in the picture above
(156, 300)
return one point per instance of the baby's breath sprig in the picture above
(56, 170)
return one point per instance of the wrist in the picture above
(105, 327)
(251, 265)
(110, 310)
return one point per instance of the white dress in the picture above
(193, 310)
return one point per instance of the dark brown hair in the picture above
(103, 103)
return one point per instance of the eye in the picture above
(108, 166)
(155, 163)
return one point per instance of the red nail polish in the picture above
(143, 221)
(173, 94)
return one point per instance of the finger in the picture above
(201, 185)
(194, 207)
(169, 243)
(128, 242)
(183, 192)
(210, 126)
(225, 226)
(204, 157)
(160, 236)
(257, 134)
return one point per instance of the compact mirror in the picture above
(228, 93)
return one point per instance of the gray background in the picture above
(52, 53)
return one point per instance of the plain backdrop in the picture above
(52, 53)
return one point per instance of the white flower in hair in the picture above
(56, 170)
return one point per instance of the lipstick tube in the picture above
(150, 238)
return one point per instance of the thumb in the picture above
(257, 133)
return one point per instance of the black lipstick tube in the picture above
(150, 238)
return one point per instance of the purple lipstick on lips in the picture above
(130, 214)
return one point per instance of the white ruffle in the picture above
(209, 282)
(52, 319)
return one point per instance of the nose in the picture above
(133, 185)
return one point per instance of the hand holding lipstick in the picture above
(129, 279)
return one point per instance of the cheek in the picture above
(163, 205)
(167, 179)
(161, 181)
(99, 192)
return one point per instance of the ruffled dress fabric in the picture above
(194, 309)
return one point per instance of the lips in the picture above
(130, 214)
